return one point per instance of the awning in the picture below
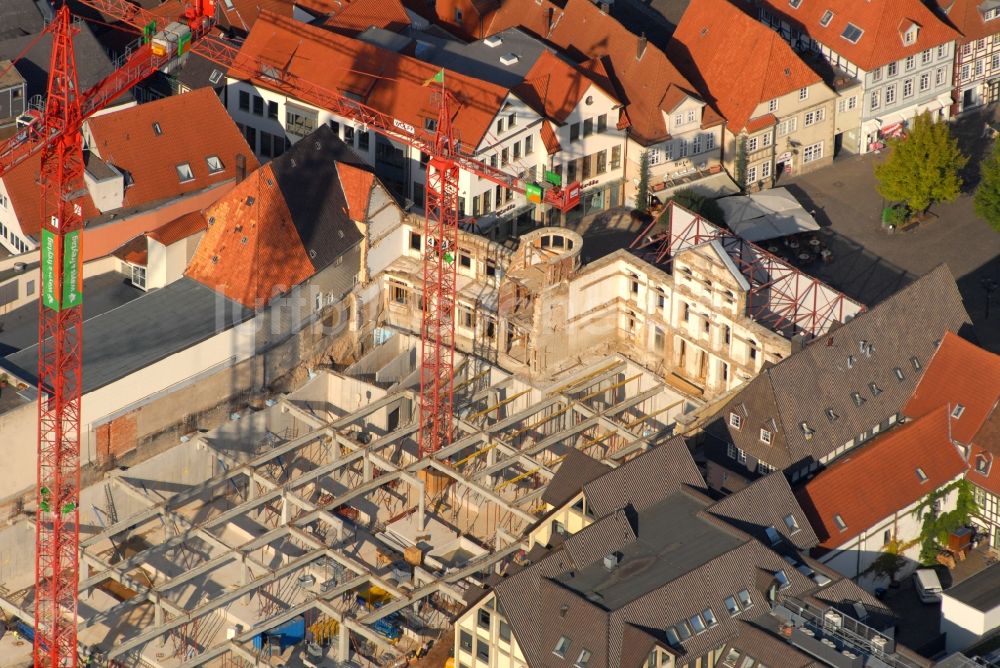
(714, 185)
(766, 215)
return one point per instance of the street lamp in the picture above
(989, 285)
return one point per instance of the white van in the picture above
(927, 584)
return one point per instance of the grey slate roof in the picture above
(21, 17)
(479, 60)
(645, 480)
(679, 557)
(981, 591)
(765, 503)
(143, 331)
(576, 470)
(92, 62)
(801, 388)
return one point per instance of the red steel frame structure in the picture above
(781, 296)
(437, 331)
(60, 347)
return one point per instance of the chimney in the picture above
(241, 167)
(641, 47)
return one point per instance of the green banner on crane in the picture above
(62, 278)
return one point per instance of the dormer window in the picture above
(765, 437)
(910, 35)
(957, 411)
(852, 33)
(735, 420)
(991, 14)
(184, 172)
(214, 164)
(982, 464)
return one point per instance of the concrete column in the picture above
(368, 472)
(285, 509)
(420, 506)
(157, 614)
(343, 644)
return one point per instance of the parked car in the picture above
(927, 584)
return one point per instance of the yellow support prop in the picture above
(597, 393)
(499, 405)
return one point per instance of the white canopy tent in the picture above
(766, 215)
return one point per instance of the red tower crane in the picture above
(56, 138)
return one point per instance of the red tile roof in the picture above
(127, 140)
(965, 15)
(357, 184)
(651, 84)
(881, 21)
(247, 253)
(179, 228)
(387, 81)
(549, 138)
(359, 15)
(959, 373)
(244, 13)
(703, 46)
(25, 196)
(554, 88)
(876, 480)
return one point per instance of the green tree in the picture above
(987, 198)
(936, 526)
(922, 168)
(642, 191)
(741, 162)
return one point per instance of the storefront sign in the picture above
(404, 126)
(587, 184)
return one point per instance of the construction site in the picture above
(315, 517)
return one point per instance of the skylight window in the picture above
(795, 3)
(852, 33)
(731, 605)
(214, 164)
(581, 661)
(876, 390)
(709, 617)
(957, 411)
(830, 415)
(772, 535)
(791, 523)
(921, 474)
(673, 639)
(215, 77)
(839, 521)
(683, 630)
(782, 578)
(899, 373)
(858, 399)
(184, 172)
(698, 624)
(745, 599)
(826, 18)
(916, 364)
(561, 647)
(157, 130)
